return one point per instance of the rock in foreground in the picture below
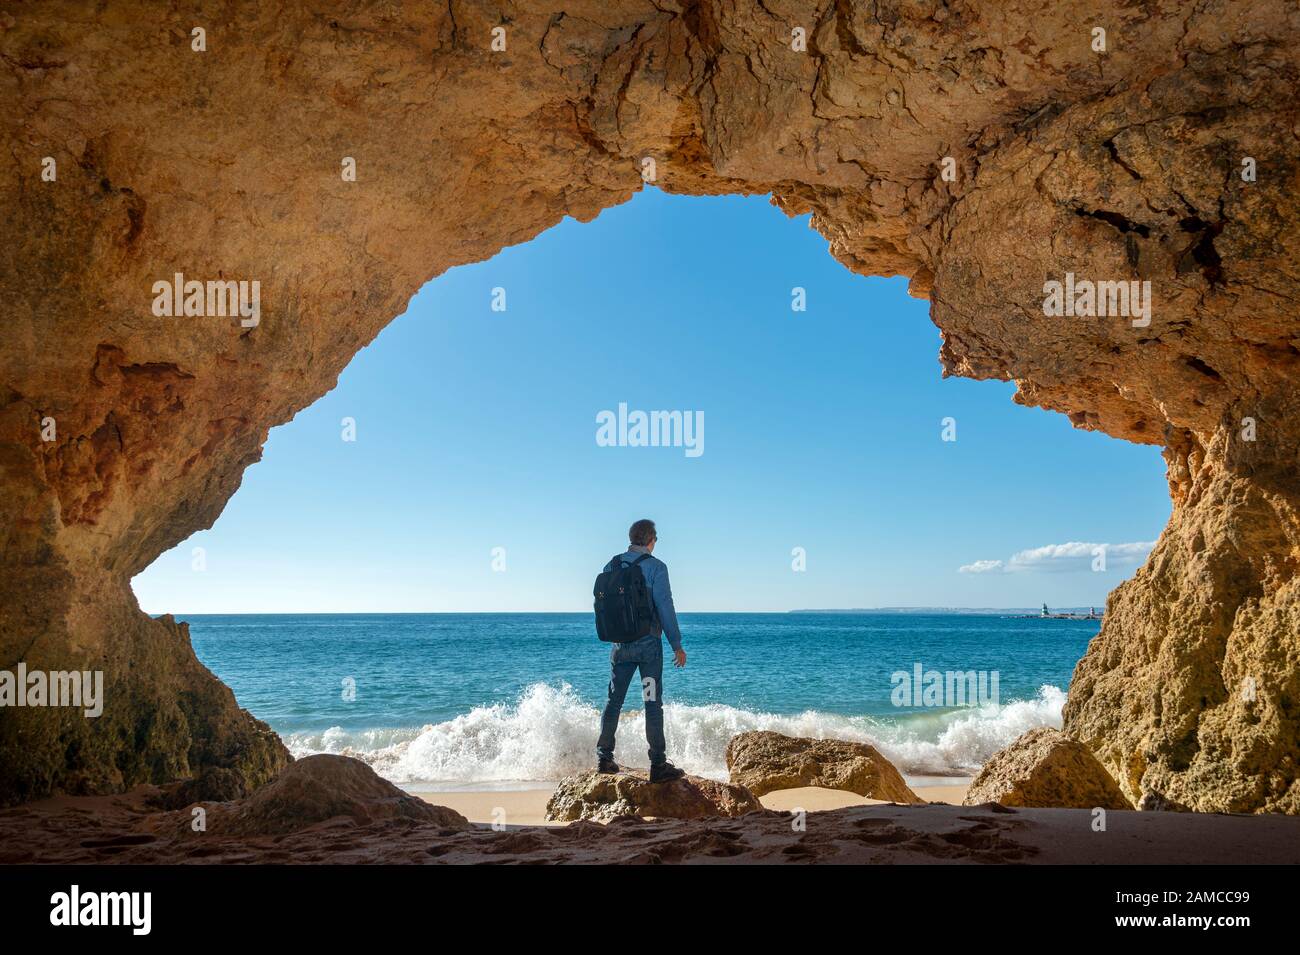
(213, 784)
(603, 797)
(764, 761)
(1044, 768)
(317, 788)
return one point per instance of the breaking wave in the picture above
(550, 732)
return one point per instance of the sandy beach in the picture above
(127, 829)
(528, 807)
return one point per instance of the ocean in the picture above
(498, 701)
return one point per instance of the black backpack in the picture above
(623, 609)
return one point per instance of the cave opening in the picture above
(458, 469)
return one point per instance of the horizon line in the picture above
(501, 613)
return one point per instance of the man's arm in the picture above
(662, 593)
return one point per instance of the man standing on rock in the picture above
(615, 615)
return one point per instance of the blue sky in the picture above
(476, 429)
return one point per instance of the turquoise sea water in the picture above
(454, 700)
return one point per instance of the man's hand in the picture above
(679, 658)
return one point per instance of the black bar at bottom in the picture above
(926, 904)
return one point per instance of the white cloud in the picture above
(1064, 558)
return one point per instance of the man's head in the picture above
(642, 533)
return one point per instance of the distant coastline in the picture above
(1066, 613)
(182, 615)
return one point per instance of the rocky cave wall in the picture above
(1122, 164)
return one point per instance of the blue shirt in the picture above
(655, 572)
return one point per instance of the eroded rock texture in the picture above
(604, 797)
(1045, 768)
(318, 788)
(1114, 165)
(765, 761)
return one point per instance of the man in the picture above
(646, 655)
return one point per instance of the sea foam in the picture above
(549, 732)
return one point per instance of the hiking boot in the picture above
(665, 772)
(607, 766)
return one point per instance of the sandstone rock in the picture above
(604, 797)
(764, 761)
(1119, 166)
(1044, 768)
(213, 784)
(1154, 802)
(1190, 693)
(323, 787)
(165, 716)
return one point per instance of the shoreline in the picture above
(527, 807)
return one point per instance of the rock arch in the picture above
(225, 164)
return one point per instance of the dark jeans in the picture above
(625, 659)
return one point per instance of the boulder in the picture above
(319, 788)
(603, 797)
(763, 761)
(213, 784)
(1046, 768)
